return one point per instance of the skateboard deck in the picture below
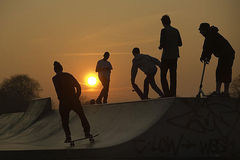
(72, 143)
(138, 91)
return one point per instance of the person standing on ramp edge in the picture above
(68, 92)
(148, 65)
(170, 40)
(216, 44)
(104, 68)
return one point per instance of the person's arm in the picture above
(162, 39)
(97, 67)
(77, 86)
(134, 71)
(107, 66)
(155, 60)
(110, 66)
(57, 88)
(207, 51)
(179, 39)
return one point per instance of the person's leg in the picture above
(226, 89)
(219, 75)
(79, 110)
(227, 75)
(154, 85)
(218, 78)
(173, 77)
(146, 87)
(218, 87)
(99, 99)
(64, 113)
(164, 69)
(106, 89)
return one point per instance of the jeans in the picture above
(104, 92)
(65, 107)
(171, 65)
(150, 80)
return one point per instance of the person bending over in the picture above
(216, 44)
(147, 64)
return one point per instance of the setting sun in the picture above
(92, 81)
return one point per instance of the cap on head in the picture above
(204, 26)
(57, 67)
(166, 20)
(106, 55)
(136, 51)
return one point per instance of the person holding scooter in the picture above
(216, 44)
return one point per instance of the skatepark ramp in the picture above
(168, 128)
(12, 124)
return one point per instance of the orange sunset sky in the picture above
(34, 33)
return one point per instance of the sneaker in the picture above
(68, 140)
(104, 102)
(98, 101)
(214, 94)
(88, 135)
(161, 95)
(225, 94)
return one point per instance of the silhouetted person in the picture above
(68, 92)
(104, 68)
(216, 44)
(147, 64)
(170, 40)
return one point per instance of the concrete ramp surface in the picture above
(169, 127)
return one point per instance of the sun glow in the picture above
(92, 81)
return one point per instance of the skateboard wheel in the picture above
(72, 144)
(91, 140)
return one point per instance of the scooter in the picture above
(200, 92)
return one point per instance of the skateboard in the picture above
(138, 91)
(72, 143)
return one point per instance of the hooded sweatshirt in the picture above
(216, 44)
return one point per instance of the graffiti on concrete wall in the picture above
(173, 146)
(208, 117)
(211, 125)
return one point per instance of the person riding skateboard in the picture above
(104, 68)
(170, 41)
(147, 64)
(68, 92)
(216, 44)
